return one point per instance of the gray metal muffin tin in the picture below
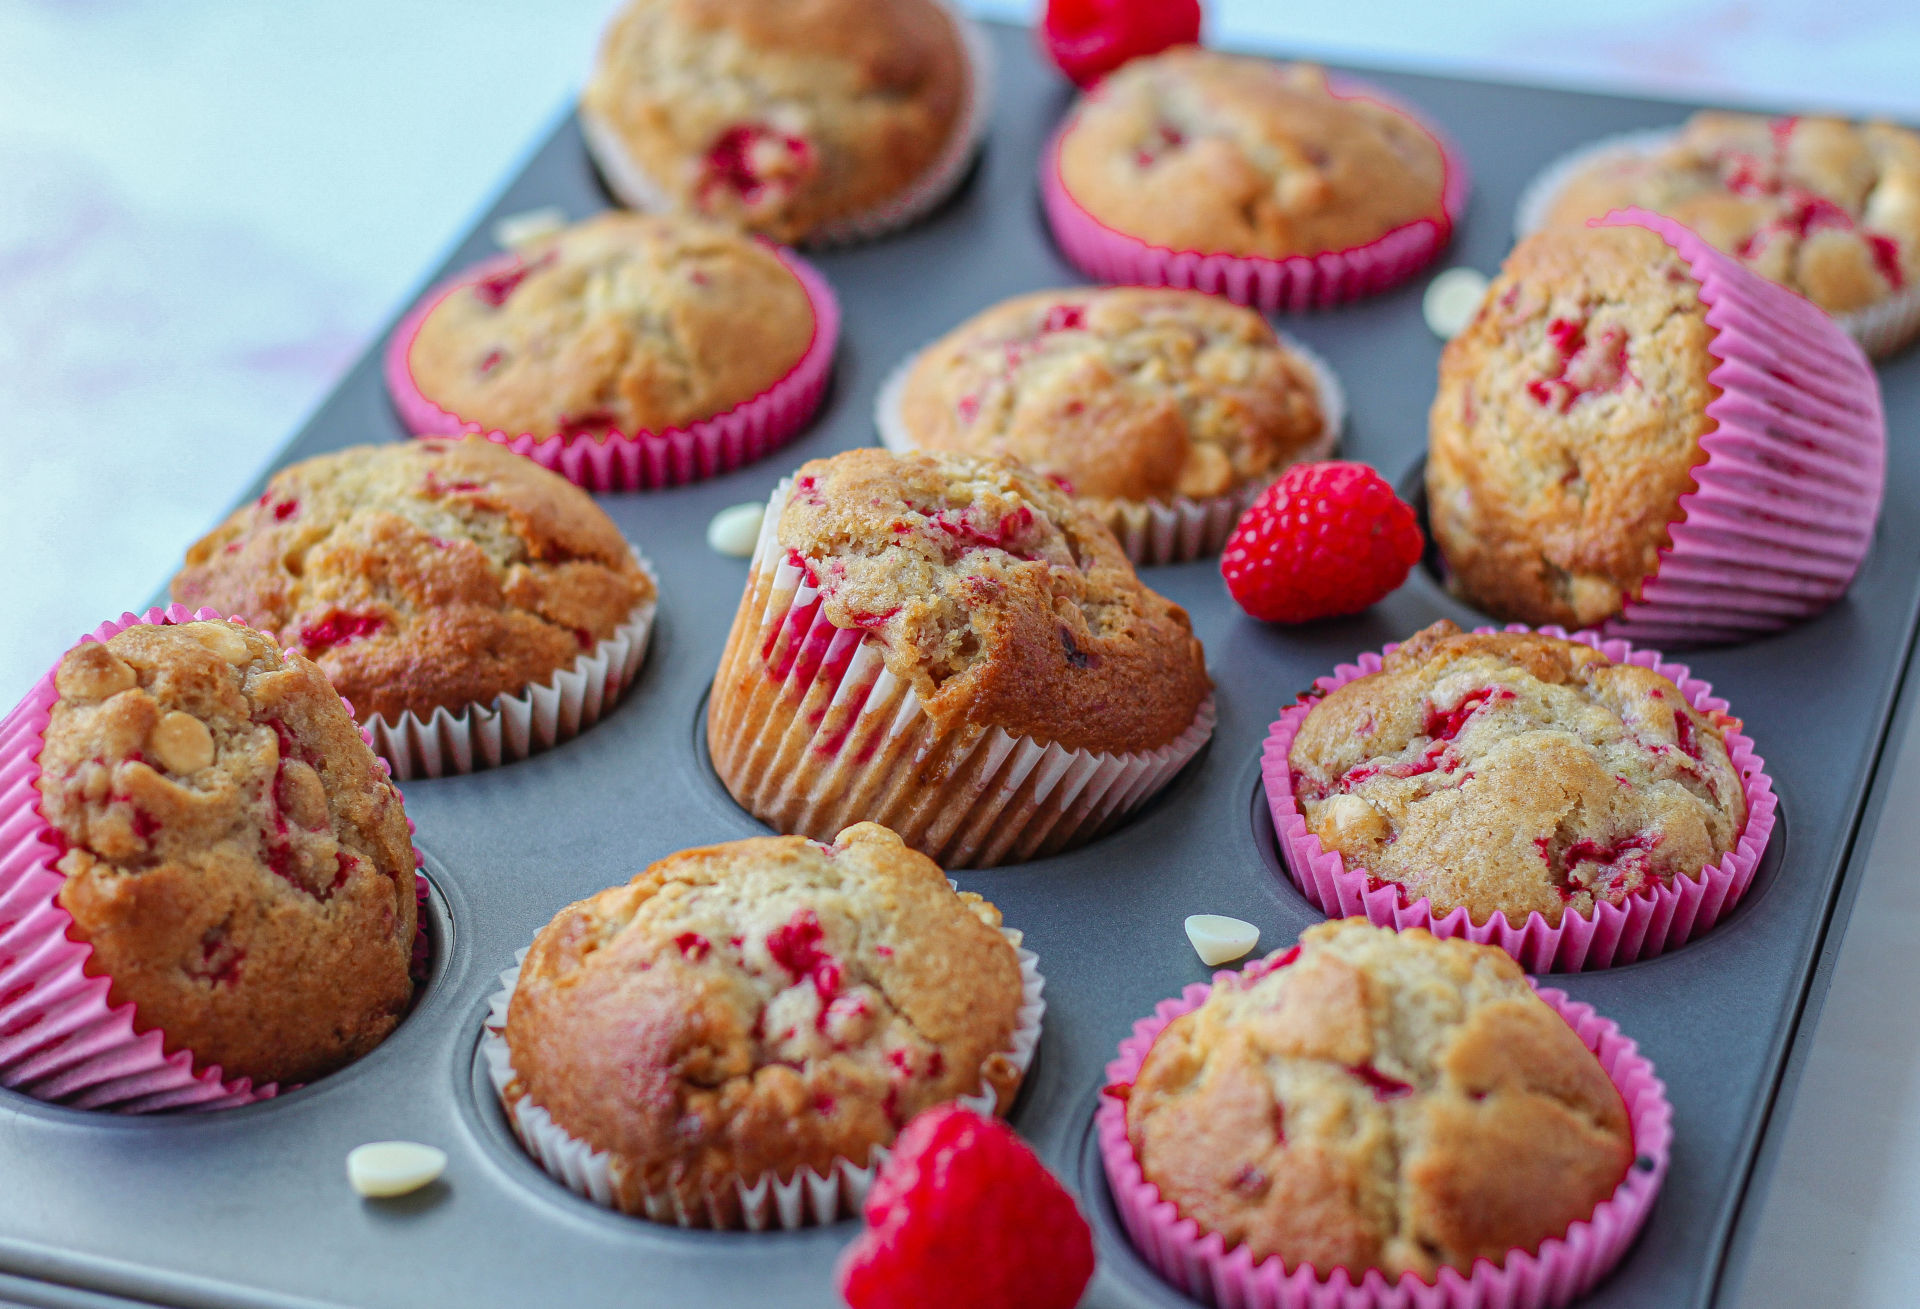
(251, 1207)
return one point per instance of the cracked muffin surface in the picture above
(236, 860)
(623, 323)
(422, 574)
(1372, 1099)
(1567, 424)
(762, 1006)
(1516, 773)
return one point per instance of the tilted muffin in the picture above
(1125, 397)
(788, 117)
(946, 644)
(1566, 425)
(424, 574)
(624, 323)
(1516, 774)
(1373, 1099)
(762, 1006)
(239, 865)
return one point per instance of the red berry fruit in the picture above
(1090, 38)
(965, 1216)
(1325, 539)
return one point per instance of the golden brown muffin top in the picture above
(996, 598)
(1824, 206)
(1567, 423)
(1372, 1099)
(781, 116)
(763, 1005)
(1516, 773)
(623, 323)
(422, 574)
(1119, 393)
(238, 863)
(1200, 150)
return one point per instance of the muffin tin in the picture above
(251, 1207)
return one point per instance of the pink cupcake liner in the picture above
(1287, 285)
(641, 461)
(60, 1038)
(1659, 919)
(1795, 469)
(1564, 1268)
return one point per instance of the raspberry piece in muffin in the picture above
(1516, 774)
(239, 865)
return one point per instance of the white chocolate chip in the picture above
(736, 531)
(182, 741)
(389, 1168)
(92, 672)
(516, 230)
(1218, 939)
(221, 639)
(1350, 818)
(1452, 299)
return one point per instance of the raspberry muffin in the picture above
(761, 1008)
(239, 866)
(1161, 411)
(804, 120)
(1378, 1100)
(1516, 773)
(947, 644)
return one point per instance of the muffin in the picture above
(429, 575)
(948, 645)
(803, 120)
(767, 1007)
(236, 863)
(1378, 1100)
(1162, 412)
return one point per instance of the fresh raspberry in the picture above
(1088, 39)
(1325, 539)
(965, 1216)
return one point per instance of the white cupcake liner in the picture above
(1881, 329)
(513, 727)
(824, 736)
(766, 1201)
(634, 188)
(1167, 531)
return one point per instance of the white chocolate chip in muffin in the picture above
(381, 1169)
(92, 672)
(221, 639)
(1218, 939)
(736, 530)
(528, 226)
(1452, 299)
(1350, 818)
(182, 741)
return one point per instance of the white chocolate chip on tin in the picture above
(516, 230)
(182, 741)
(383, 1169)
(735, 531)
(1452, 299)
(1218, 939)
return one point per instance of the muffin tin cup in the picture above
(1667, 916)
(642, 461)
(1563, 1268)
(765, 1202)
(1167, 531)
(823, 736)
(1881, 329)
(512, 727)
(637, 190)
(1286, 285)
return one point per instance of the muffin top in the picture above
(1119, 393)
(1824, 206)
(780, 116)
(1373, 1099)
(996, 598)
(624, 323)
(1516, 773)
(240, 866)
(1199, 150)
(762, 1005)
(1567, 425)
(422, 574)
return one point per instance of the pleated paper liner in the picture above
(764, 1202)
(1881, 329)
(1665, 916)
(1287, 285)
(1561, 1270)
(637, 461)
(811, 733)
(1159, 531)
(631, 184)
